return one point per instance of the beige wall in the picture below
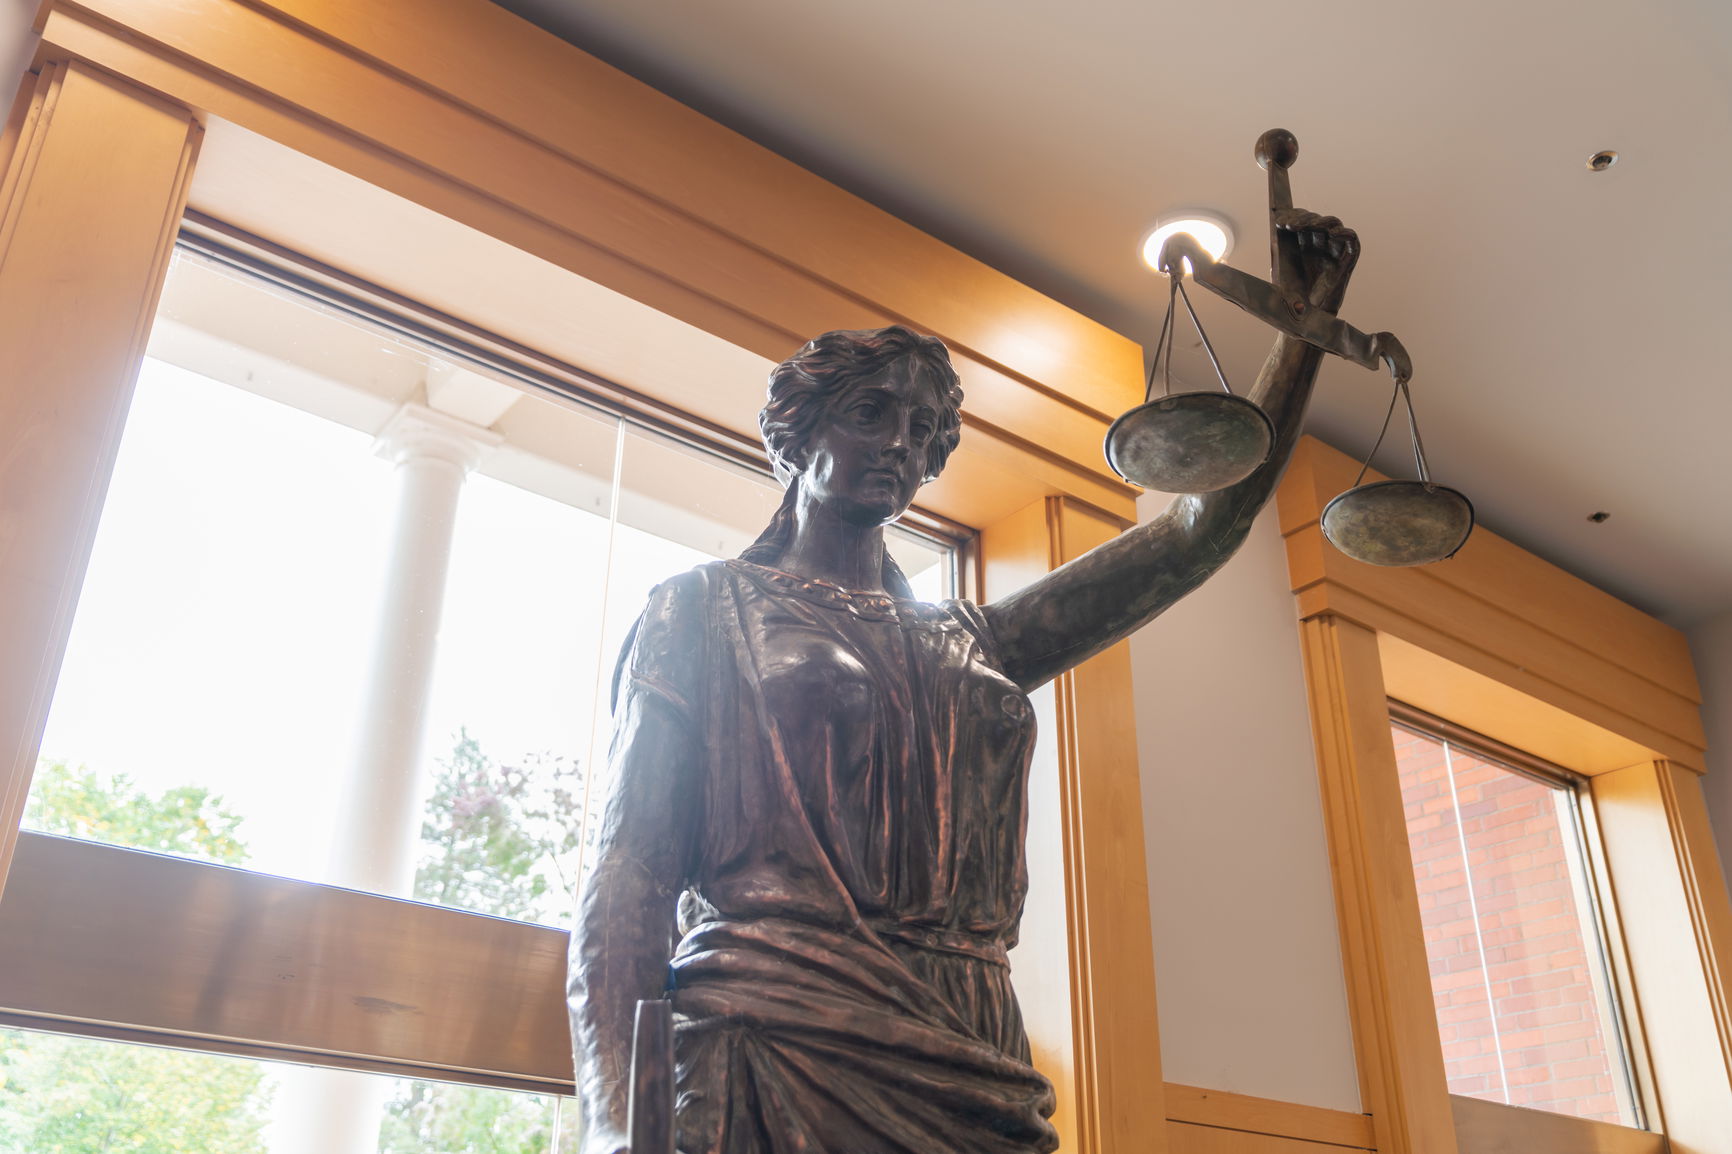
(17, 41)
(1247, 958)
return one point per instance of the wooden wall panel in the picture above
(1677, 933)
(1184, 1138)
(1499, 610)
(89, 205)
(1489, 1128)
(1198, 1107)
(1401, 1073)
(653, 235)
(568, 102)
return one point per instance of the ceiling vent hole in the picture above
(1600, 161)
(1599, 518)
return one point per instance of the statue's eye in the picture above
(866, 412)
(923, 430)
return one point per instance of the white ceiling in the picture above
(1566, 326)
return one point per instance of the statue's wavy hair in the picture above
(800, 395)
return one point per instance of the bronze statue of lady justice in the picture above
(813, 844)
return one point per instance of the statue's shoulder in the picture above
(970, 616)
(680, 604)
(665, 646)
(690, 585)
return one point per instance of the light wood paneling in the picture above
(659, 242)
(1500, 709)
(1502, 612)
(1677, 933)
(1490, 1128)
(89, 203)
(1184, 1138)
(1506, 576)
(1224, 1111)
(574, 105)
(1401, 1074)
(190, 953)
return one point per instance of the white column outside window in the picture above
(332, 1112)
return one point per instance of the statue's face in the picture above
(868, 458)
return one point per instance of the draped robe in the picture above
(840, 984)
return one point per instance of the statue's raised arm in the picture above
(1100, 598)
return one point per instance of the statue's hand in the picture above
(1320, 254)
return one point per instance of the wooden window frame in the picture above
(1514, 648)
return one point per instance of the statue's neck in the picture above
(828, 548)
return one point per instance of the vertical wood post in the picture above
(1401, 1072)
(95, 183)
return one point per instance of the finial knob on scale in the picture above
(1278, 147)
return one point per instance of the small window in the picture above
(1526, 1007)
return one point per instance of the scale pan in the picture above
(1398, 522)
(1190, 442)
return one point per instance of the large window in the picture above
(350, 619)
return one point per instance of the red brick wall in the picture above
(1509, 961)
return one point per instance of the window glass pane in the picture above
(354, 604)
(221, 633)
(1523, 996)
(310, 640)
(929, 566)
(71, 1095)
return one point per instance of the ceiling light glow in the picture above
(1211, 233)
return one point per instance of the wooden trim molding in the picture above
(1400, 1060)
(1219, 1110)
(91, 198)
(1508, 645)
(1516, 621)
(1491, 1128)
(541, 146)
(1677, 921)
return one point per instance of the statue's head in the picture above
(815, 405)
(805, 388)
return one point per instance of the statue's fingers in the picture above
(1298, 220)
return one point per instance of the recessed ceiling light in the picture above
(1212, 234)
(1602, 160)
